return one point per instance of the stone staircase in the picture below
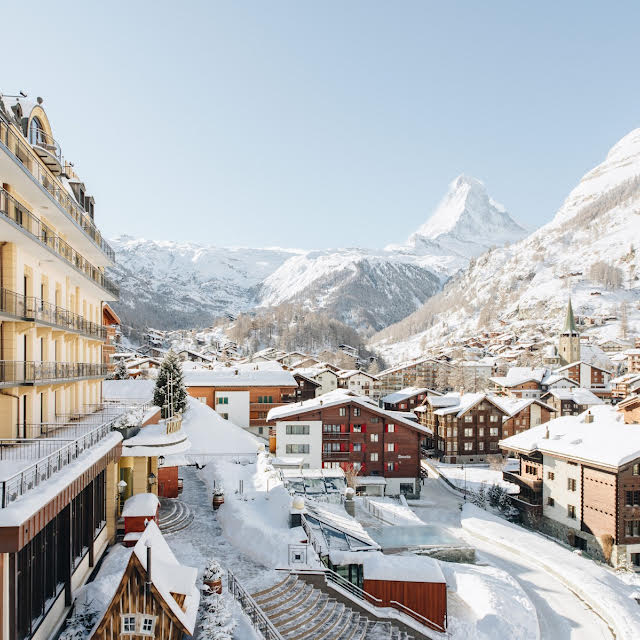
(300, 611)
(174, 515)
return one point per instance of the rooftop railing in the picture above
(31, 308)
(16, 372)
(34, 165)
(10, 208)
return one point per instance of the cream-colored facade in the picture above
(52, 288)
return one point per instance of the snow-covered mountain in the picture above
(172, 285)
(589, 251)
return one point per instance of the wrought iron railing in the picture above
(29, 372)
(31, 308)
(259, 620)
(32, 163)
(10, 208)
(40, 138)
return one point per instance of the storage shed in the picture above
(417, 582)
(137, 512)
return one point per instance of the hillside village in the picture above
(462, 466)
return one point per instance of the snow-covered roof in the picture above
(142, 504)
(235, 377)
(520, 375)
(412, 363)
(606, 441)
(395, 568)
(460, 404)
(353, 372)
(404, 394)
(513, 406)
(153, 440)
(626, 378)
(336, 398)
(579, 395)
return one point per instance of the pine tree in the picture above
(80, 622)
(170, 381)
(121, 372)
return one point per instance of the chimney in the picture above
(588, 418)
(546, 433)
(148, 583)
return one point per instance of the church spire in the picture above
(569, 321)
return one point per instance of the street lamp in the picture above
(151, 479)
(160, 460)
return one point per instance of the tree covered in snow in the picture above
(170, 388)
(121, 372)
(80, 622)
(216, 618)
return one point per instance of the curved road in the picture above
(561, 614)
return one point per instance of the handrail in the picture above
(29, 223)
(32, 308)
(32, 163)
(258, 618)
(29, 371)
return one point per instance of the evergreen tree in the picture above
(80, 622)
(170, 382)
(121, 372)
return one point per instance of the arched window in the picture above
(36, 132)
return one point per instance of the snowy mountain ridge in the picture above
(181, 283)
(588, 251)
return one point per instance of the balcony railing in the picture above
(10, 208)
(535, 484)
(35, 309)
(335, 455)
(42, 174)
(29, 372)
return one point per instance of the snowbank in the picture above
(486, 603)
(474, 477)
(605, 593)
(128, 390)
(390, 511)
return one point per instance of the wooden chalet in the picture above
(156, 597)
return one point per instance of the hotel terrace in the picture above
(58, 450)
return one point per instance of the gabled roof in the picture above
(405, 394)
(234, 377)
(513, 406)
(579, 362)
(335, 399)
(459, 404)
(352, 372)
(578, 395)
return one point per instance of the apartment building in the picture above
(407, 399)
(466, 427)
(422, 372)
(530, 382)
(588, 376)
(360, 382)
(580, 480)
(571, 402)
(624, 386)
(342, 429)
(59, 454)
(242, 395)
(633, 360)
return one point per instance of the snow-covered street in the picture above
(561, 614)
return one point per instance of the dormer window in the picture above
(37, 136)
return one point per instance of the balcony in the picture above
(335, 455)
(45, 176)
(12, 210)
(48, 150)
(25, 372)
(28, 308)
(334, 435)
(526, 482)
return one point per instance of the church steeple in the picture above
(569, 320)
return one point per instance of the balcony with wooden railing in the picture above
(27, 372)
(45, 175)
(31, 309)
(23, 219)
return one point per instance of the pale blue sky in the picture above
(327, 123)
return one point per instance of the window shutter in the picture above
(351, 446)
(364, 447)
(396, 466)
(343, 446)
(364, 428)
(343, 428)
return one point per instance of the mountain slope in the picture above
(173, 285)
(589, 251)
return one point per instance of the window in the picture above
(480, 446)
(331, 428)
(297, 429)
(391, 428)
(374, 457)
(550, 501)
(493, 418)
(356, 411)
(493, 431)
(468, 446)
(632, 528)
(636, 469)
(449, 432)
(357, 446)
(551, 475)
(468, 433)
(260, 430)
(468, 418)
(493, 446)
(297, 448)
(128, 623)
(481, 432)
(391, 446)
(571, 484)
(390, 466)
(36, 132)
(265, 399)
(480, 418)
(632, 498)
(147, 623)
(342, 411)
(356, 428)
(225, 416)
(222, 400)
(374, 437)
(571, 511)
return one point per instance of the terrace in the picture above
(25, 372)
(26, 463)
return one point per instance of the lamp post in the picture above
(151, 479)
(122, 485)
